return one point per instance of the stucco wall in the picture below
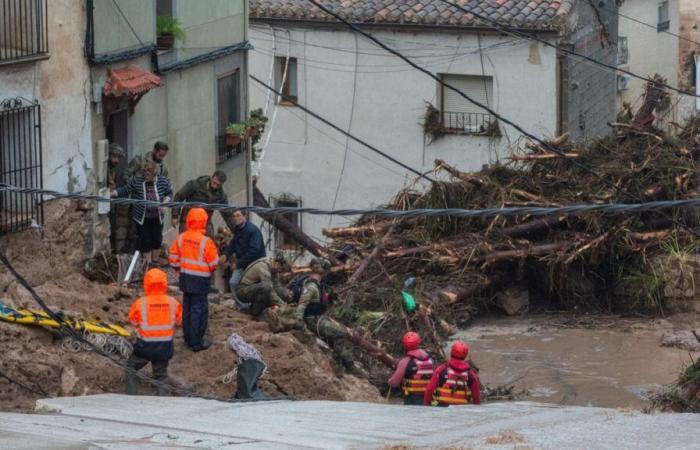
(221, 23)
(112, 31)
(383, 103)
(688, 47)
(650, 51)
(61, 85)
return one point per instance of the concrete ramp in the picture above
(123, 422)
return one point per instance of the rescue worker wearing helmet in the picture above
(455, 382)
(195, 256)
(155, 316)
(260, 286)
(413, 371)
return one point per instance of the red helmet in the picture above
(460, 350)
(411, 341)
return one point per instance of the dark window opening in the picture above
(164, 8)
(228, 98)
(288, 82)
(664, 22)
(284, 241)
(23, 29)
(20, 164)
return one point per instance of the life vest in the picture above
(158, 314)
(454, 390)
(418, 375)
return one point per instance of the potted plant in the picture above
(235, 133)
(169, 29)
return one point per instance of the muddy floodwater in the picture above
(601, 361)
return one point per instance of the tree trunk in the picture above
(290, 229)
(456, 294)
(372, 256)
(532, 226)
(356, 232)
(373, 350)
(535, 250)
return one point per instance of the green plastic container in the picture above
(409, 303)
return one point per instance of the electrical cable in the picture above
(497, 26)
(654, 27)
(67, 330)
(525, 133)
(337, 128)
(570, 210)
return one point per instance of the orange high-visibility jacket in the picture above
(156, 314)
(192, 252)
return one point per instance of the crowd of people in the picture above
(255, 284)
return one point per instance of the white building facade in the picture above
(379, 98)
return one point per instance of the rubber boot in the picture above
(131, 384)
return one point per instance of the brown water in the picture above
(606, 362)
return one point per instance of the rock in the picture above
(514, 300)
(69, 381)
(681, 339)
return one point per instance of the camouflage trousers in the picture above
(123, 235)
(334, 335)
(259, 295)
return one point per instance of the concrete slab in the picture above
(122, 422)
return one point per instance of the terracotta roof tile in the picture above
(538, 14)
(130, 80)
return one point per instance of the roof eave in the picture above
(401, 26)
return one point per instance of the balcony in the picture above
(225, 151)
(23, 30)
(469, 123)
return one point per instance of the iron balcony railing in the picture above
(23, 29)
(226, 151)
(20, 164)
(468, 123)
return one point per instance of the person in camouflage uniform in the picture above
(119, 214)
(309, 313)
(260, 286)
(157, 155)
(205, 189)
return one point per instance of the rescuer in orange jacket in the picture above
(455, 382)
(413, 371)
(195, 257)
(155, 316)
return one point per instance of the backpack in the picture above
(297, 286)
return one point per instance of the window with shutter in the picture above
(458, 113)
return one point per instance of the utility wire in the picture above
(570, 210)
(655, 27)
(66, 330)
(337, 128)
(497, 26)
(527, 134)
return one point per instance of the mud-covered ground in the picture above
(53, 263)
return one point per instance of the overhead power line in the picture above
(571, 210)
(337, 128)
(497, 26)
(648, 25)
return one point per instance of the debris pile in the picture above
(596, 262)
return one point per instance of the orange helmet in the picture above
(411, 341)
(460, 350)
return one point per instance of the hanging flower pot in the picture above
(233, 139)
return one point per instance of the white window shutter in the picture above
(477, 88)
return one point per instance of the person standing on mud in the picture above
(413, 371)
(148, 185)
(118, 214)
(195, 256)
(455, 382)
(155, 316)
(203, 190)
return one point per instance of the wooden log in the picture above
(373, 350)
(535, 250)
(454, 172)
(527, 195)
(532, 226)
(372, 256)
(356, 231)
(543, 156)
(456, 294)
(650, 235)
(287, 227)
(425, 314)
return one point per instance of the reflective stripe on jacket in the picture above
(418, 374)
(155, 317)
(454, 389)
(192, 255)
